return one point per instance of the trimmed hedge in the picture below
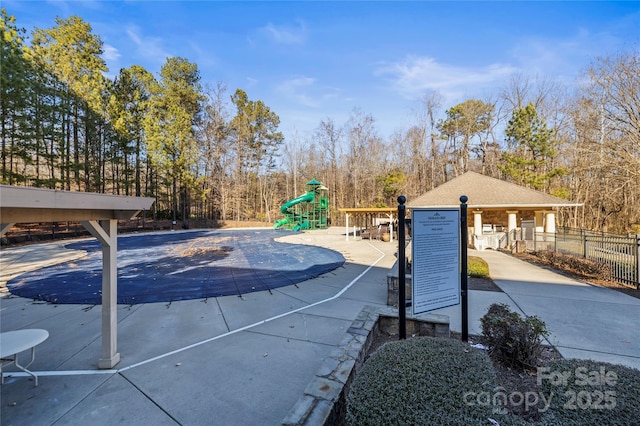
(585, 392)
(436, 381)
(421, 381)
(514, 341)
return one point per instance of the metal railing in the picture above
(621, 253)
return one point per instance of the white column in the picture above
(512, 222)
(346, 226)
(107, 233)
(4, 227)
(477, 222)
(550, 222)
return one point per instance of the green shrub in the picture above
(435, 381)
(477, 267)
(513, 341)
(422, 381)
(584, 392)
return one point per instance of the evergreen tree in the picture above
(257, 143)
(16, 150)
(531, 153)
(174, 107)
(128, 105)
(465, 121)
(71, 54)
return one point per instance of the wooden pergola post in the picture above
(106, 231)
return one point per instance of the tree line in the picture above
(203, 152)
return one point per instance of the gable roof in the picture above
(486, 192)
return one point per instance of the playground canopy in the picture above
(99, 214)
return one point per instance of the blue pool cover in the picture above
(170, 266)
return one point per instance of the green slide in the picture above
(304, 198)
(290, 217)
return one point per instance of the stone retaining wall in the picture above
(324, 399)
(393, 284)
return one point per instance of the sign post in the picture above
(464, 288)
(402, 269)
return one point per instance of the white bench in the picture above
(14, 342)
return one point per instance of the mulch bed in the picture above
(628, 290)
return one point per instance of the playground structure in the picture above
(308, 211)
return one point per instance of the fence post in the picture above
(637, 261)
(585, 249)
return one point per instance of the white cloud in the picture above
(295, 89)
(110, 53)
(147, 47)
(563, 58)
(415, 75)
(304, 91)
(286, 34)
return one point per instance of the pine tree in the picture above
(532, 150)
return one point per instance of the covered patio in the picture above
(362, 218)
(501, 212)
(99, 214)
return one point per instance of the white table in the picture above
(14, 342)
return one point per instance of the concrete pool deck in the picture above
(246, 361)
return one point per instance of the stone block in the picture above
(300, 411)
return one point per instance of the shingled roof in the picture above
(486, 192)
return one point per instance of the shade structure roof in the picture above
(20, 204)
(367, 210)
(486, 192)
(98, 213)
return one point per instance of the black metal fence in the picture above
(621, 252)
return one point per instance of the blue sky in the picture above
(313, 60)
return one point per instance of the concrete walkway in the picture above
(585, 321)
(246, 361)
(219, 361)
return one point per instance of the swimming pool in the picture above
(170, 266)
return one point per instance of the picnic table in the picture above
(14, 342)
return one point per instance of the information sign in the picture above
(435, 258)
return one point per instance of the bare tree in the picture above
(215, 158)
(606, 160)
(329, 138)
